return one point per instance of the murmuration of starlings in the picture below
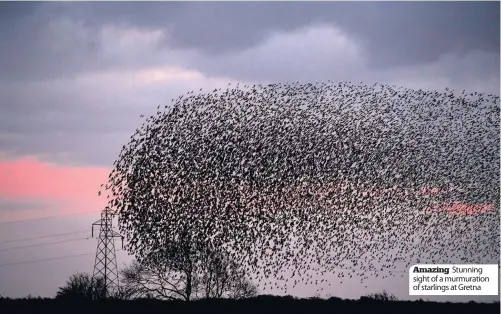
(294, 180)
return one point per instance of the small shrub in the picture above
(380, 296)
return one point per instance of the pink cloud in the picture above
(75, 188)
(30, 179)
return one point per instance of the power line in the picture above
(47, 259)
(48, 217)
(43, 237)
(42, 244)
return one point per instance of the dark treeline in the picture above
(264, 303)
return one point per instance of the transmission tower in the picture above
(105, 265)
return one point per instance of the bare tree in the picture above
(142, 279)
(223, 278)
(216, 276)
(169, 273)
(243, 288)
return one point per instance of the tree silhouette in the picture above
(81, 286)
(181, 279)
(224, 278)
(380, 296)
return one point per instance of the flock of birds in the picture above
(294, 180)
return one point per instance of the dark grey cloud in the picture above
(34, 45)
(409, 31)
(85, 120)
(391, 34)
(59, 100)
(52, 45)
(304, 55)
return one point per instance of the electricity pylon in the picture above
(105, 265)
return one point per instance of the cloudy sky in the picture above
(74, 78)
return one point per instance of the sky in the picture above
(75, 77)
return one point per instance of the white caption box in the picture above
(454, 279)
